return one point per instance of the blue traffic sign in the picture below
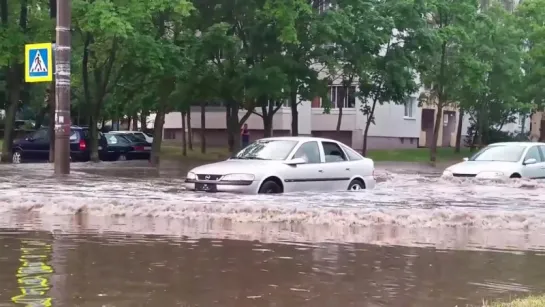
(38, 62)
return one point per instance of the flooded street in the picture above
(112, 235)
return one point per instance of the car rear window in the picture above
(132, 137)
(73, 135)
(113, 139)
(139, 135)
(352, 155)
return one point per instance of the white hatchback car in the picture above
(503, 160)
(286, 164)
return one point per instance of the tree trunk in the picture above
(339, 119)
(9, 121)
(165, 87)
(51, 127)
(441, 100)
(189, 131)
(135, 122)
(233, 133)
(435, 137)
(40, 118)
(203, 127)
(268, 125)
(143, 121)
(294, 113)
(267, 114)
(184, 138)
(157, 137)
(459, 131)
(93, 136)
(370, 118)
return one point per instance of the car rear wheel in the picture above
(16, 157)
(270, 187)
(356, 185)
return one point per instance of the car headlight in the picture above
(490, 175)
(447, 173)
(238, 177)
(191, 176)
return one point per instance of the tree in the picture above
(15, 33)
(441, 44)
(375, 45)
(490, 71)
(531, 19)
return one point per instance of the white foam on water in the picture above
(412, 203)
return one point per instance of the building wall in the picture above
(450, 118)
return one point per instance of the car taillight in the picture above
(82, 145)
(139, 148)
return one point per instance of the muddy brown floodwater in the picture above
(128, 235)
(129, 270)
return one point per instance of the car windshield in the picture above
(501, 153)
(267, 150)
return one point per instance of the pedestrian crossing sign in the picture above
(38, 62)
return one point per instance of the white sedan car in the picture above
(286, 164)
(503, 160)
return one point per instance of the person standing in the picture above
(245, 136)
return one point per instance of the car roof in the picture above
(517, 143)
(125, 131)
(299, 139)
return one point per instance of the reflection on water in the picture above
(33, 274)
(134, 270)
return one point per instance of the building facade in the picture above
(396, 126)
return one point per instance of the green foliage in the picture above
(252, 54)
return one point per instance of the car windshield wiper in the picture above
(251, 158)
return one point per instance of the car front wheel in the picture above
(16, 157)
(356, 185)
(270, 187)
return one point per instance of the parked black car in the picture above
(124, 147)
(35, 146)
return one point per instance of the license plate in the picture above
(147, 147)
(207, 187)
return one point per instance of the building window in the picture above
(339, 98)
(409, 107)
(170, 134)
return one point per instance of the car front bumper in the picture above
(243, 187)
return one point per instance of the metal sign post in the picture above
(62, 88)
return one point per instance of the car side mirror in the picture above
(296, 161)
(466, 159)
(530, 161)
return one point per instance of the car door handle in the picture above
(320, 171)
(347, 168)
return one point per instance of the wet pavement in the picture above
(124, 234)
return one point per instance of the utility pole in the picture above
(62, 88)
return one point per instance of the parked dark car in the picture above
(124, 147)
(35, 146)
